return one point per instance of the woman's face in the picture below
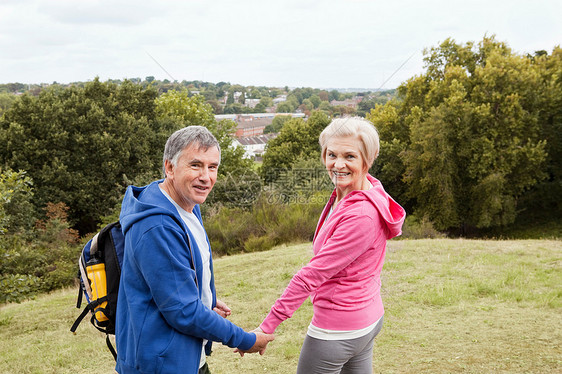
(345, 165)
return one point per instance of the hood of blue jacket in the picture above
(142, 202)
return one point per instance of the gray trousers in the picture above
(353, 356)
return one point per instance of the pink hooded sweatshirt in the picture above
(343, 277)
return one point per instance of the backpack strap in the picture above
(110, 347)
(79, 319)
(94, 245)
(89, 308)
(85, 282)
(79, 298)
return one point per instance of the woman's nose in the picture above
(339, 163)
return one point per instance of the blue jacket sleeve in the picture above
(164, 260)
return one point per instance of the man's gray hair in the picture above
(192, 135)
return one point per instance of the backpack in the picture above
(100, 270)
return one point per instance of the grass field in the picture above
(452, 306)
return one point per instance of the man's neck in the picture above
(169, 189)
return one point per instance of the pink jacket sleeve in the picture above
(350, 239)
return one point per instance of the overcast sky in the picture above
(298, 43)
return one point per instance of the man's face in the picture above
(192, 179)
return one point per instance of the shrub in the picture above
(229, 228)
(16, 210)
(263, 226)
(17, 287)
(415, 228)
(46, 263)
(259, 243)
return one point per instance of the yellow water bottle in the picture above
(98, 283)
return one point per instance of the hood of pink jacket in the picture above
(392, 213)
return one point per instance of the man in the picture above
(167, 312)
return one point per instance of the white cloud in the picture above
(333, 43)
(96, 12)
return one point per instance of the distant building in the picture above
(253, 124)
(251, 103)
(252, 127)
(279, 99)
(350, 103)
(219, 117)
(254, 146)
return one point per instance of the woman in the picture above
(343, 277)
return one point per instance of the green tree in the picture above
(255, 93)
(217, 107)
(266, 101)
(296, 96)
(298, 138)
(394, 136)
(178, 110)
(82, 145)
(334, 95)
(274, 92)
(315, 99)
(276, 124)
(326, 107)
(474, 145)
(285, 107)
(230, 98)
(259, 108)
(543, 200)
(209, 95)
(17, 214)
(308, 104)
(236, 108)
(6, 101)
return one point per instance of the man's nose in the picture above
(204, 174)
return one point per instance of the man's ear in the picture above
(169, 168)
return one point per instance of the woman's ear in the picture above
(366, 167)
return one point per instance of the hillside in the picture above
(451, 306)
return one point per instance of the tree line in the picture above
(304, 99)
(468, 143)
(473, 142)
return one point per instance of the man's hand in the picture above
(222, 309)
(260, 345)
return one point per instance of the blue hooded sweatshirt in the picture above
(161, 321)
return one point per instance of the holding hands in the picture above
(262, 339)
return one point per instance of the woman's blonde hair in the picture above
(359, 127)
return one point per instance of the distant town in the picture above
(254, 109)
